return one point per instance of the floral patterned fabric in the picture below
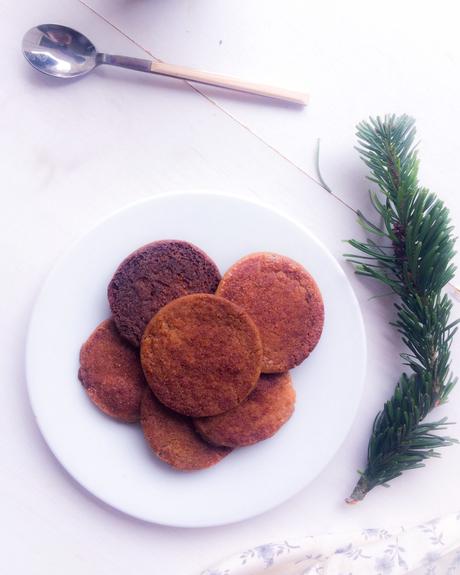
(432, 548)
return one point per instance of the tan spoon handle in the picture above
(228, 82)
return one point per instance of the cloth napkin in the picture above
(432, 548)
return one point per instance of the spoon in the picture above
(63, 52)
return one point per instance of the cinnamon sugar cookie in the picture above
(172, 437)
(111, 373)
(285, 303)
(201, 355)
(258, 417)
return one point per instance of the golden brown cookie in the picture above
(258, 417)
(285, 303)
(173, 438)
(111, 373)
(201, 355)
(154, 275)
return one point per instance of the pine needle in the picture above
(416, 225)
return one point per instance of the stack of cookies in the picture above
(202, 361)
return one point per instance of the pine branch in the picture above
(414, 259)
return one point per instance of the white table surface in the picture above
(73, 152)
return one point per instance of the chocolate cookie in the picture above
(201, 355)
(154, 275)
(258, 417)
(173, 438)
(111, 373)
(285, 303)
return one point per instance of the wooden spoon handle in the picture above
(228, 82)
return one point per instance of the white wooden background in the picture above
(73, 152)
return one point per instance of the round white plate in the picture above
(110, 459)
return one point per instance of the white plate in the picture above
(110, 459)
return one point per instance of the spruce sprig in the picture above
(411, 251)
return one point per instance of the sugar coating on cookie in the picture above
(285, 303)
(258, 417)
(173, 438)
(154, 275)
(111, 373)
(201, 355)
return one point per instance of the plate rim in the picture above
(67, 251)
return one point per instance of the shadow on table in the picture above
(119, 76)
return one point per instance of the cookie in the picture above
(201, 355)
(173, 438)
(259, 417)
(111, 373)
(154, 275)
(285, 303)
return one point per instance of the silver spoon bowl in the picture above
(59, 51)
